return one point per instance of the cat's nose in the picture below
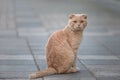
(79, 25)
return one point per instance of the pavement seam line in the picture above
(14, 12)
(111, 51)
(87, 69)
(38, 68)
(32, 54)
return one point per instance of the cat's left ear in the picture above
(71, 16)
(84, 15)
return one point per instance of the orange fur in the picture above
(62, 46)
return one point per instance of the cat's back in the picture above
(56, 38)
(56, 42)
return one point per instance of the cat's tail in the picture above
(39, 74)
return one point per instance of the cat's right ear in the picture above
(71, 16)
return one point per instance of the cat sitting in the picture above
(62, 46)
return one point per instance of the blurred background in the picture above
(25, 26)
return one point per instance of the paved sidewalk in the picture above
(25, 26)
(113, 5)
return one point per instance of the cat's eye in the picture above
(81, 21)
(75, 21)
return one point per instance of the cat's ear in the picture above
(84, 15)
(71, 16)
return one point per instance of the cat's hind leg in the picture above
(66, 65)
(73, 70)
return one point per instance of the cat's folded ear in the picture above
(84, 15)
(71, 16)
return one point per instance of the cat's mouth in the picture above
(78, 28)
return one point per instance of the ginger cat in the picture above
(62, 46)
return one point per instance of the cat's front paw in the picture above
(77, 69)
(33, 76)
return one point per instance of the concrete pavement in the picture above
(113, 5)
(25, 26)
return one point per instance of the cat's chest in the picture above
(75, 41)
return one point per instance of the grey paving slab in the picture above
(101, 62)
(40, 40)
(13, 41)
(23, 79)
(108, 78)
(89, 41)
(74, 76)
(39, 52)
(83, 52)
(15, 75)
(98, 57)
(3, 21)
(17, 62)
(25, 15)
(13, 65)
(38, 44)
(17, 68)
(8, 33)
(10, 15)
(14, 52)
(36, 47)
(23, 8)
(14, 79)
(90, 46)
(25, 32)
(105, 70)
(13, 46)
(59, 9)
(100, 50)
(16, 57)
(22, 3)
(28, 24)
(11, 24)
(97, 29)
(111, 42)
(28, 19)
(14, 71)
(52, 22)
(110, 4)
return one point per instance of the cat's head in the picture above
(78, 22)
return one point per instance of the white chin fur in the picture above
(78, 28)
